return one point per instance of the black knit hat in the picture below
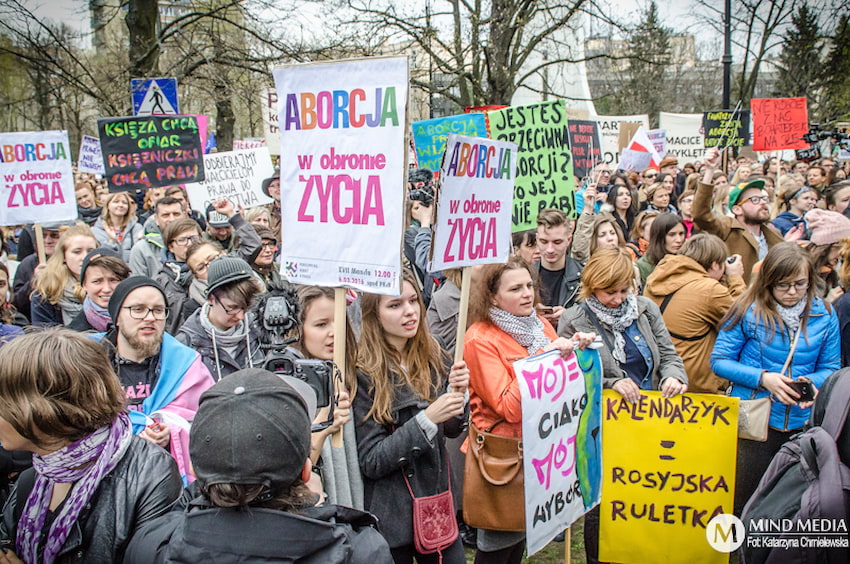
(253, 427)
(225, 270)
(97, 253)
(122, 290)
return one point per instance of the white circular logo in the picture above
(725, 533)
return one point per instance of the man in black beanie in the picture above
(250, 450)
(162, 377)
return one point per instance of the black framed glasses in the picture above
(800, 286)
(201, 268)
(141, 312)
(232, 310)
(185, 241)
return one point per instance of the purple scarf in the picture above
(98, 317)
(84, 462)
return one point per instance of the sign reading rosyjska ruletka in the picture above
(38, 182)
(343, 171)
(151, 151)
(473, 222)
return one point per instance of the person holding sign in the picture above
(405, 408)
(57, 296)
(638, 353)
(760, 350)
(505, 328)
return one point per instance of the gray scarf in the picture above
(69, 304)
(198, 290)
(791, 315)
(527, 331)
(616, 319)
(228, 340)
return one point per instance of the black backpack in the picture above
(807, 479)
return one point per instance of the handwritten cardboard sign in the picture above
(343, 171)
(473, 223)
(668, 468)
(38, 182)
(268, 101)
(561, 440)
(779, 123)
(585, 145)
(685, 139)
(235, 175)
(90, 159)
(726, 128)
(430, 136)
(150, 151)
(544, 166)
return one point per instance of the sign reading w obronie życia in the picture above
(151, 151)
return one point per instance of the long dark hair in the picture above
(782, 262)
(658, 236)
(611, 200)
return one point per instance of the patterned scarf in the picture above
(98, 317)
(791, 315)
(527, 331)
(69, 304)
(85, 463)
(616, 319)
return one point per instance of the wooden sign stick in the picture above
(39, 243)
(466, 282)
(339, 351)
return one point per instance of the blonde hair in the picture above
(607, 269)
(111, 222)
(253, 213)
(57, 383)
(416, 365)
(51, 283)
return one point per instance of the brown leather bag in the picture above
(493, 495)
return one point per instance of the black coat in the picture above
(380, 449)
(326, 534)
(570, 283)
(143, 486)
(193, 335)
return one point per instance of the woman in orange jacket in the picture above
(505, 329)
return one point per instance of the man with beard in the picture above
(163, 378)
(749, 233)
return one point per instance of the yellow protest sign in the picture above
(668, 467)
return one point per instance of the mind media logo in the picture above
(725, 533)
(291, 268)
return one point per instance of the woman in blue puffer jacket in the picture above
(755, 344)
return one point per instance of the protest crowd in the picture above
(167, 395)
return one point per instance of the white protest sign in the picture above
(268, 102)
(561, 443)
(473, 224)
(685, 139)
(343, 171)
(235, 175)
(38, 182)
(659, 140)
(634, 160)
(609, 130)
(90, 159)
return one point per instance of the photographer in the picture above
(220, 331)
(417, 236)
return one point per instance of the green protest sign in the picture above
(544, 164)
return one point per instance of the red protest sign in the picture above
(779, 123)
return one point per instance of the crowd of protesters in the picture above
(132, 359)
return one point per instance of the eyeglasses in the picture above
(756, 199)
(232, 310)
(686, 201)
(269, 245)
(184, 241)
(201, 268)
(141, 312)
(800, 286)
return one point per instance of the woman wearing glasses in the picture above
(220, 330)
(175, 276)
(775, 334)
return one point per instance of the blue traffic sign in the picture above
(154, 96)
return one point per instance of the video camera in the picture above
(817, 134)
(423, 189)
(277, 315)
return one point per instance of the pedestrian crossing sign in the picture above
(154, 96)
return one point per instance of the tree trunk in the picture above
(142, 22)
(225, 119)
